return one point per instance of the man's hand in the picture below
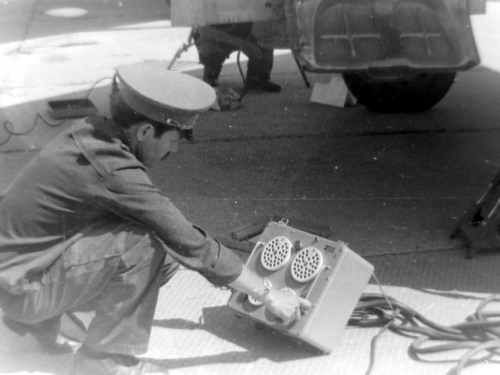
(285, 305)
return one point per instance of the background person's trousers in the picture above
(212, 56)
(116, 271)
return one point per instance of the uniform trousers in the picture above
(115, 270)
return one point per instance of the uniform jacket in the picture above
(85, 177)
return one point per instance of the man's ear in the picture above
(144, 130)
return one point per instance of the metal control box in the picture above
(330, 275)
(72, 108)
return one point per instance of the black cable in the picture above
(242, 74)
(9, 126)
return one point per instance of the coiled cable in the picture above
(480, 333)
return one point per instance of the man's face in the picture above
(152, 149)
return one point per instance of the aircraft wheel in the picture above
(416, 95)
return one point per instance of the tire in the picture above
(418, 94)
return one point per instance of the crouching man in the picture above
(83, 228)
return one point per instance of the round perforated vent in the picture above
(306, 264)
(276, 253)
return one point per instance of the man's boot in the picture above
(47, 332)
(90, 362)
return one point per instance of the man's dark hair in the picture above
(125, 116)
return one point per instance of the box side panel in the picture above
(331, 313)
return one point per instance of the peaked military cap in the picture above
(163, 95)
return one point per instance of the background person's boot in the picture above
(259, 84)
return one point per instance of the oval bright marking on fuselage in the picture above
(67, 12)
